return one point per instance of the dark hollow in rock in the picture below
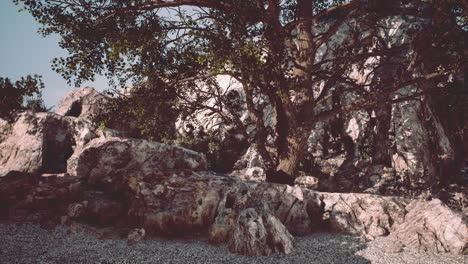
(75, 109)
(57, 153)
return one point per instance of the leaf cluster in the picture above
(24, 94)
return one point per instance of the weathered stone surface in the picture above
(97, 207)
(363, 213)
(82, 102)
(166, 190)
(104, 158)
(259, 234)
(433, 226)
(425, 225)
(32, 194)
(43, 142)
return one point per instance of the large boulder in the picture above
(104, 159)
(260, 234)
(433, 226)
(167, 192)
(424, 225)
(26, 196)
(83, 102)
(43, 142)
(367, 214)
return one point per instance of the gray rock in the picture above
(104, 158)
(135, 235)
(43, 142)
(424, 225)
(433, 226)
(368, 214)
(259, 234)
(83, 102)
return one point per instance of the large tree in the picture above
(295, 56)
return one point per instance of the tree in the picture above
(290, 55)
(24, 94)
(144, 112)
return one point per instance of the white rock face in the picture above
(103, 157)
(42, 142)
(258, 234)
(82, 102)
(432, 226)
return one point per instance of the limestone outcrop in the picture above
(104, 158)
(433, 226)
(43, 142)
(83, 102)
(159, 189)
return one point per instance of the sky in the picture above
(23, 51)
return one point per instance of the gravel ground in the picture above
(31, 244)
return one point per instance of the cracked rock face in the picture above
(104, 158)
(259, 234)
(43, 142)
(363, 213)
(433, 226)
(82, 102)
(424, 225)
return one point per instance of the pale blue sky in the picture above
(23, 51)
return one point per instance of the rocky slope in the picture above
(165, 190)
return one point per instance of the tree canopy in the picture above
(300, 57)
(24, 94)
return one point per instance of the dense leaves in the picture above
(147, 111)
(24, 94)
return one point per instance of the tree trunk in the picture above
(289, 158)
(382, 145)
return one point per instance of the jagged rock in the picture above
(425, 225)
(259, 234)
(43, 142)
(368, 214)
(433, 226)
(86, 103)
(165, 189)
(309, 182)
(82, 102)
(166, 193)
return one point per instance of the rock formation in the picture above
(56, 168)
(83, 102)
(159, 189)
(407, 147)
(43, 142)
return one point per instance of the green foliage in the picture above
(24, 94)
(449, 10)
(210, 145)
(148, 111)
(366, 145)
